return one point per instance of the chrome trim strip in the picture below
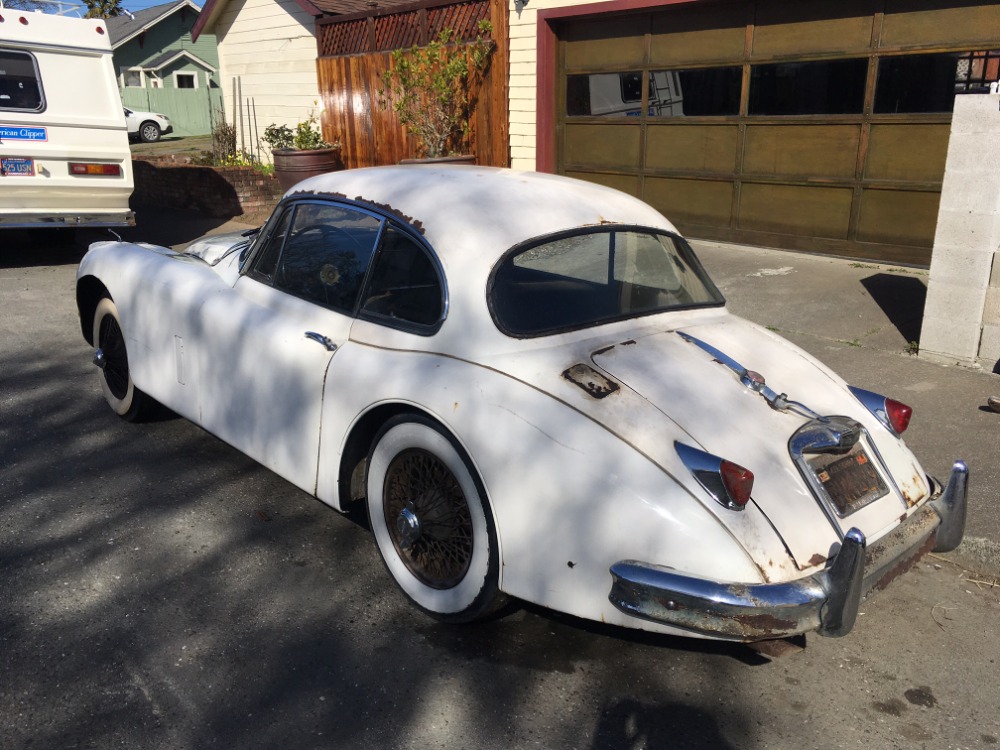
(828, 435)
(707, 470)
(875, 403)
(753, 381)
(951, 507)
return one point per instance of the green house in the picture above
(161, 69)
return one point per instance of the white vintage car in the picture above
(537, 391)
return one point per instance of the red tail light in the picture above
(100, 170)
(738, 481)
(898, 414)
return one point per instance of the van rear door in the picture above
(64, 153)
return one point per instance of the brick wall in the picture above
(212, 191)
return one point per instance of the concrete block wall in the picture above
(961, 322)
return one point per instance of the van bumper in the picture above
(68, 221)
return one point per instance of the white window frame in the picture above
(125, 71)
(178, 73)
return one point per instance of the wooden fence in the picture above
(191, 111)
(356, 51)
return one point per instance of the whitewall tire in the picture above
(431, 521)
(127, 401)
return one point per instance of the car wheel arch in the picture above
(89, 292)
(361, 439)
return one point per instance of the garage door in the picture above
(820, 126)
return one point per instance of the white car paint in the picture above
(574, 483)
(136, 120)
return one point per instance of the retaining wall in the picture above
(212, 191)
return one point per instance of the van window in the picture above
(20, 87)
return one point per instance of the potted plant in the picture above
(302, 152)
(433, 89)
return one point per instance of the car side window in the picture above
(326, 254)
(266, 261)
(405, 284)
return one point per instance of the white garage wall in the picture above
(270, 46)
(523, 58)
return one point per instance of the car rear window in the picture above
(588, 278)
(20, 86)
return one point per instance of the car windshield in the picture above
(587, 278)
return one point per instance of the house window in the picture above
(185, 80)
(133, 78)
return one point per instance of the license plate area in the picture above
(16, 166)
(849, 480)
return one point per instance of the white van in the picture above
(64, 153)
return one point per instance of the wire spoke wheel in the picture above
(441, 551)
(431, 520)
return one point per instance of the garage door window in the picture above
(20, 86)
(929, 83)
(827, 87)
(604, 94)
(701, 92)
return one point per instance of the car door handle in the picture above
(319, 338)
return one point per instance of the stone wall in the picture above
(962, 315)
(212, 191)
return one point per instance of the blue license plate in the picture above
(14, 166)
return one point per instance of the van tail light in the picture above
(891, 413)
(728, 483)
(92, 169)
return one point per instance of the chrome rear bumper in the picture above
(826, 602)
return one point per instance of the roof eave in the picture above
(154, 21)
(213, 9)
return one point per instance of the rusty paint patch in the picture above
(912, 491)
(779, 647)
(763, 624)
(816, 559)
(904, 565)
(630, 342)
(591, 381)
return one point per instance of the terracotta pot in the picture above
(291, 166)
(460, 159)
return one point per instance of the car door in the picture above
(266, 343)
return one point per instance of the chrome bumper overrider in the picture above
(826, 602)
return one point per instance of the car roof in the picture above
(492, 209)
(471, 216)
